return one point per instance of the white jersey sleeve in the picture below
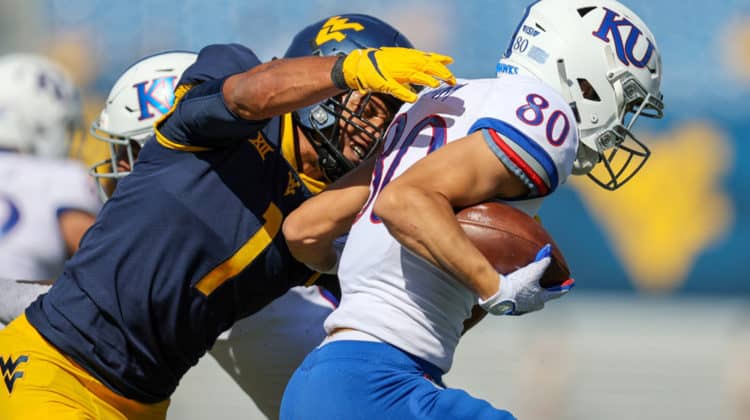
(532, 130)
(36, 192)
(73, 189)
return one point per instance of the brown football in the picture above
(510, 239)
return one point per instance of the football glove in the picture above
(520, 291)
(392, 69)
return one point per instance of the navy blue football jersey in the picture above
(189, 243)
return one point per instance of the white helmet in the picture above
(142, 94)
(40, 107)
(604, 60)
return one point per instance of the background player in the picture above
(117, 128)
(46, 200)
(144, 297)
(409, 275)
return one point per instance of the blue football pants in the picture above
(350, 380)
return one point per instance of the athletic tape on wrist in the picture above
(337, 74)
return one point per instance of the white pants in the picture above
(15, 297)
(262, 351)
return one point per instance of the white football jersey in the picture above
(33, 191)
(399, 298)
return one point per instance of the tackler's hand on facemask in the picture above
(390, 70)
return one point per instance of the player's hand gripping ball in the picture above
(511, 239)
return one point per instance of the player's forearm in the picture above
(424, 222)
(280, 86)
(311, 229)
(73, 224)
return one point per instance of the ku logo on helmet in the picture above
(625, 53)
(333, 29)
(159, 95)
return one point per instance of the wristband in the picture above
(502, 302)
(337, 74)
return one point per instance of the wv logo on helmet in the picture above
(159, 95)
(333, 29)
(625, 52)
(9, 369)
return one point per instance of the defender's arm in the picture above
(312, 228)
(285, 85)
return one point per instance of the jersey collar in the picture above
(290, 152)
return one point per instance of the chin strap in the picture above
(333, 163)
(586, 159)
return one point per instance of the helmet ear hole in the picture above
(588, 90)
(583, 11)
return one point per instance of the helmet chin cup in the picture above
(586, 159)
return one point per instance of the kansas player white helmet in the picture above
(40, 106)
(604, 60)
(139, 98)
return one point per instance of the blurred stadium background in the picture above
(658, 325)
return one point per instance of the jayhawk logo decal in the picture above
(333, 29)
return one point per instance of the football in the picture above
(510, 239)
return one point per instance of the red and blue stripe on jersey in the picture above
(521, 154)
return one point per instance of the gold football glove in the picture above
(392, 69)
